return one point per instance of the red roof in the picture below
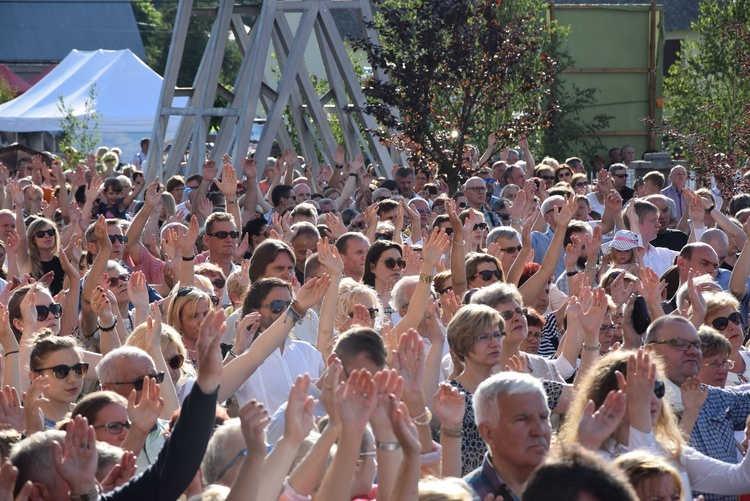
(33, 80)
(14, 80)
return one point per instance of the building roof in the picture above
(45, 31)
(678, 14)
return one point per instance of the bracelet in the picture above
(519, 222)
(231, 352)
(298, 309)
(296, 317)
(91, 495)
(11, 352)
(708, 211)
(571, 273)
(425, 278)
(459, 242)
(188, 258)
(387, 446)
(593, 267)
(107, 329)
(232, 201)
(427, 415)
(591, 348)
(449, 432)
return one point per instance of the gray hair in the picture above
(215, 459)
(549, 201)
(304, 229)
(682, 293)
(486, 406)
(105, 370)
(328, 200)
(34, 460)
(214, 492)
(499, 292)
(661, 323)
(399, 299)
(501, 232)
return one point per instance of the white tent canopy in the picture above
(127, 94)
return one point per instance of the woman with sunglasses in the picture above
(172, 349)
(56, 359)
(482, 269)
(723, 314)
(641, 420)
(563, 173)
(351, 294)
(475, 229)
(42, 258)
(384, 265)
(546, 174)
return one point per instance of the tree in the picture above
(455, 71)
(7, 91)
(79, 135)
(708, 93)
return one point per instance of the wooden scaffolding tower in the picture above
(271, 32)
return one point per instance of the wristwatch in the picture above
(91, 495)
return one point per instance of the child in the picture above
(622, 253)
(115, 205)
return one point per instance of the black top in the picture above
(672, 239)
(55, 267)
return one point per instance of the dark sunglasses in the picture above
(277, 305)
(443, 291)
(722, 323)
(176, 362)
(62, 371)
(659, 389)
(548, 178)
(621, 176)
(512, 250)
(505, 217)
(488, 274)
(480, 226)
(219, 283)
(43, 233)
(114, 427)
(384, 236)
(224, 234)
(581, 185)
(448, 231)
(118, 238)
(391, 263)
(214, 299)
(138, 383)
(507, 315)
(462, 205)
(373, 313)
(42, 312)
(113, 281)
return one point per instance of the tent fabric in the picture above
(127, 94)
(14, 80)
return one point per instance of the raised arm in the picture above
(16, 194)
(738, 279)
(329, 258)
(458, 254)
(135, 230)
(99, 266)
(228, 186)
(250, 169)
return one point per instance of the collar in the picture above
(493, 477)
(673, 395)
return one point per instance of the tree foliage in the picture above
(708, 89)
(80, 136)
(456, 71)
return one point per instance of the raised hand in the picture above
(120, 473)
(8, 476)
(358, 399)
(209, 170)
(137, 290)
(387, 382)
(450, 405)
(517, 364)
(313, 291)
(619, 291)
(335, 224)
(329, 258)
(250, 168)
(76, 461)
(253, 420)
(12, 413)
(33, 400)
(339, 157)
(228, 183)
(187, 237)
(649, 286)
(434, 247)
(144, 414)
(694, 394)
(408, 360)
(406, 431)
(246, 329)
(597, 425)
(298, 417)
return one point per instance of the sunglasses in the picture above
(512, 250)
(224, 234)
(480, 226)
(659, 389)
(234, 460)
(507, 315)
(722, 323)
(581, 185)
(424, 211)
(43, 233)
(488, 274)
(391, 263)
(565, 174)
(462, 205)
(114, 427)
(138, 383)
(62, 371)
(548, 178)
(621, 176)
(504, 217)
(42, 312)
(384, 236)
(176, 362)
(477, 189)
(214, 299)
(113, 281)
(118, 238)
(277, 305)
(446, 290)
(219, 283)
(373, 313)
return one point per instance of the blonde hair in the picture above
(444, 489)
(184, 298)
(716, 301)
(642, 466)
(348, 290)
(168, 336)
(468, 322)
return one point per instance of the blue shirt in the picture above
(540, 242)
(486, 480)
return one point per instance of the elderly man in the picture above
(423, 208)
(302, 192)
(619, 174)
(404, 176)
(476, 190)
(512, 417)
(555, 217)
(678, 178)
(514, 175)
(676, 341)
(509, 240)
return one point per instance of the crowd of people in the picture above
(272, 330)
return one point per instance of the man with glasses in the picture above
(476, 190)
(123, 370)
(272, 381)
(509, 241)
(619, 174)
(677, 342)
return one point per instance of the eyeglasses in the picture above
(184, 291)
(533, 335)
(219, 283)
(659, 389)
(214, 299)
(384, 236)
(462, 205)
(224, 234)
(277, 305)
(722, 323)
(391, 263)
(43, 233)
(138, 383)
(113, 281)
(42, 312)
(62, 371)
(680, 344)
(512, 250)
(565, 174)
(176, 362)
(548, 178)
(508, 314)
(725, 364)
(446, 290)
(118, 238)
(485, 338)
(373, 313)
(234, 460)
(448, 231)
(424, 211)
(487, 275)
(581, 185)
(114, 427)
(621, 176)
(480, 226)
(489, 181)
(604, 328)
(477, 189)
